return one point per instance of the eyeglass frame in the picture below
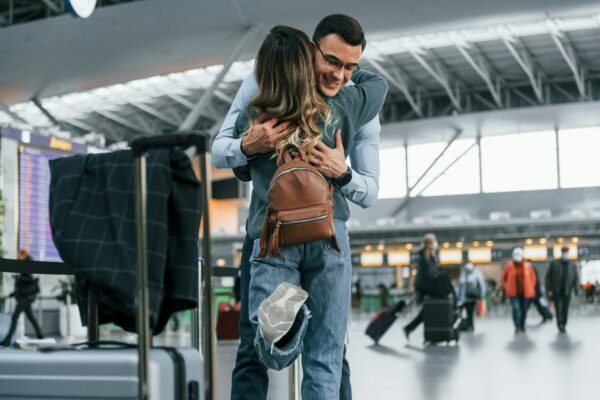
(336, 62)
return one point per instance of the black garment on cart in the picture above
(92, 216)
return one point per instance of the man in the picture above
(561, 280)
(518, 280)
(471, 289)
(26, 290)
(339, 42)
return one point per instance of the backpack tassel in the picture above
(264, 238)
(274, 250)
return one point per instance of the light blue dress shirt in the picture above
(364, 155)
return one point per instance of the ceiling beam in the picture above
(481, 67)
(407, 198)
(78, 124)
(438, 176)
(196, 111)
(399, 83)
(181, 100)
(223, 96)
(120, 120)
(438, 72)
(208, 111)
(568, 52)
(524, 60)
(11, 113)
(484, 101)
(564, 92)
(48, 115)
(524, 97)
(155, 113)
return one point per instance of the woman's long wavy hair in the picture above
(288, 89)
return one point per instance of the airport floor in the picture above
(491, 363)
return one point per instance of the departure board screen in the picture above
(34, 188)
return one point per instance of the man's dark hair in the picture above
(345, 26)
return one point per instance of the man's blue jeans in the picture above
(249, 380)
(325, 274)
(520, 305)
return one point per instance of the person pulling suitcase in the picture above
(428, 279)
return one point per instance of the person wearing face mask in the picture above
(471, 287)
(518, 280)
(430, 281)
(561, 280)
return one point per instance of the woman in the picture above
(429, 281)
(518, 280)
(303, 281)
(471, 288)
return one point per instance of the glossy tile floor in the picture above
(490, 363)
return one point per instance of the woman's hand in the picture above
(263, 136)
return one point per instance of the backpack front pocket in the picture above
(304, 226)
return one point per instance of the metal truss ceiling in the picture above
(498, 67)
(501, 67)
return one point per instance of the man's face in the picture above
(334, 62)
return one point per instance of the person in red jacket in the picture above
(518, 280)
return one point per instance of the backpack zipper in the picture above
(295, 169)
(301, 221)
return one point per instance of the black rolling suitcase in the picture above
(381, 322)
(118, 373)
(441, 320)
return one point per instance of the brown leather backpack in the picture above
(299, 207)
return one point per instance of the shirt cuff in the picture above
(246, 157)
(238, 154)
(353, 185)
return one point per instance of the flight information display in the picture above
(34, 188)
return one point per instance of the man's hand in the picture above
(264, 135)
(330, 162)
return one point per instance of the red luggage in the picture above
(228, 321)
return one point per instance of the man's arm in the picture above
(226, 149)
(363, 189)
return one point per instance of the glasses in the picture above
(336, 62)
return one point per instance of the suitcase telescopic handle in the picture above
(184, 139)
